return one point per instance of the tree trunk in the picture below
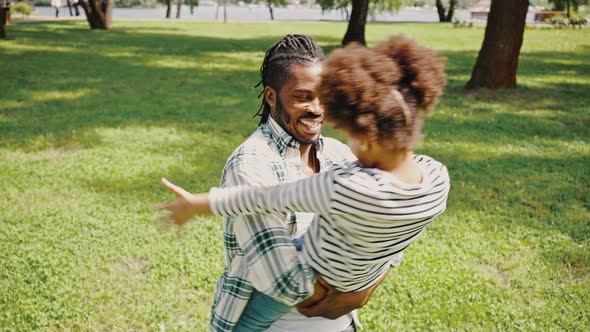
(2, 21)
(497, 61)
(168, 8)
(440, 9)
(99, 13)
(224, 11)
(178, 7)
(444, 16)
(70, 7)
(568, 8)
(451, 12)
(272, 17)
(357, 23)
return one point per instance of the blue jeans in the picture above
(262, 310)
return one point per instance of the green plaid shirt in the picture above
(259, 253)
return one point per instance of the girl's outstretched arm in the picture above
(312, 194)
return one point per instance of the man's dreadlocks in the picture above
(292, 49)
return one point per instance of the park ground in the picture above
(91, 120)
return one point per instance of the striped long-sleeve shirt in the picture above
(365, 216)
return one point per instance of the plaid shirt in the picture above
(259, 253)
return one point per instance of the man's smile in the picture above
(311, 126)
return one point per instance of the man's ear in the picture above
(270, 95)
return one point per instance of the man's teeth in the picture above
(311, 124)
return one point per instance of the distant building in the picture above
(479, 10)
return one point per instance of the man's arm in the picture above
(278, 272)
(335, 304)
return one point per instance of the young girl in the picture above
(376, 208)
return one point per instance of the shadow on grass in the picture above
(66, 78)
(65, 82)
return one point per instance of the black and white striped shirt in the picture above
(365, 216)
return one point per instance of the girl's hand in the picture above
(185, 206)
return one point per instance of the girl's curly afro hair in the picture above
(358, 90)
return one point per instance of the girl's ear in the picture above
(270, 96)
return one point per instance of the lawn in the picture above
(90, 121)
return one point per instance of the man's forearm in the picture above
(336, 304)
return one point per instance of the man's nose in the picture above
(315, 107)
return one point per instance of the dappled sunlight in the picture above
(8, 104)
(192, 63)
(555, 149)
(50, 95)
(91, 120)
(234, 61)
(160, 139)
(20, 49)
(68, 141)
(49, 154)
(122, 53)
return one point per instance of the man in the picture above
(259, 253)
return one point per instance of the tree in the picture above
(498, 58)
(193, 4)
(567, 5)
(224, 3)
(358, 18)
(178, 7)
(448, 17)
(69, 4)
(168, 8)
(328, 5)
(357, 22)
(99, 13)
(276, 3)
(3, 13)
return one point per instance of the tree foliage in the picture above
(386, 5)
(327, 5)
(374, 5)
(568, 5)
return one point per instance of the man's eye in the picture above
(302, 98)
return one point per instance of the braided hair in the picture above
(274, 72)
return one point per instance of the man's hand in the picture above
(335, 303)
(185, 206)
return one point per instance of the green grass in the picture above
(90, 120)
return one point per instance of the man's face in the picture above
(297, 108)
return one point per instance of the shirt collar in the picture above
(284, 140)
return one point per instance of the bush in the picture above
(136, 3)
(21, 8)
(562, 21)
(462, 24)
(558, 20)
(576, 19)
(42, 3)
